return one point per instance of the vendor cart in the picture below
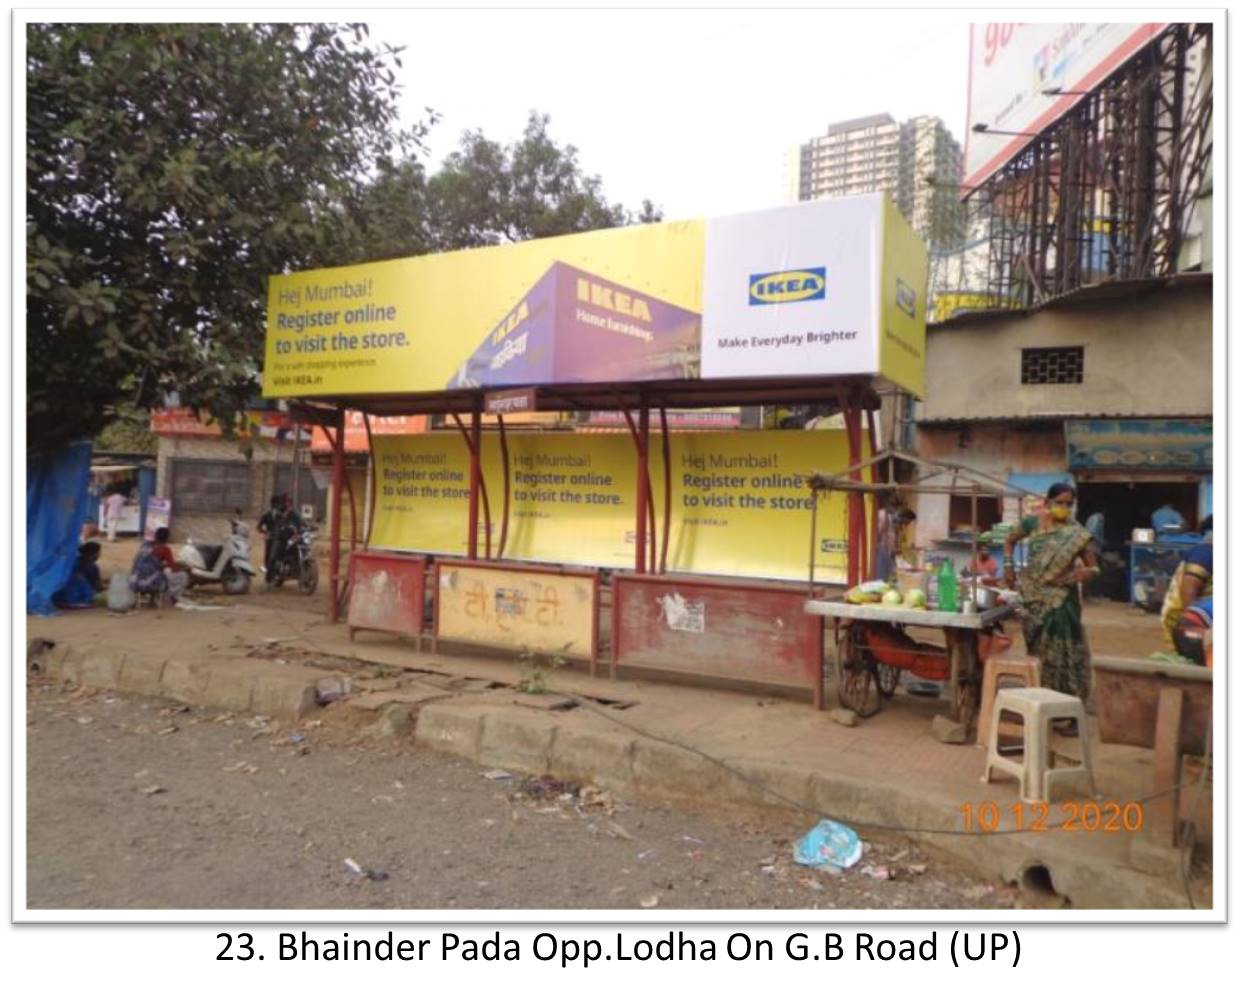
(872, 649)
(872, 645)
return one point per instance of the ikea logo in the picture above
(787, 286)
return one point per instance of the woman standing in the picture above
(1051, 611)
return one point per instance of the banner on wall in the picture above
(824, 288)
(158, 515)
(740, 505)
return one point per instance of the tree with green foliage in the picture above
(170, 169)
(488, 193)
(128, 432)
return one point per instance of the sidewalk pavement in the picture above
(635, 736)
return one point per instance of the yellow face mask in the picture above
(1059, 512)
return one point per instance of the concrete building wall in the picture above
(994, 448)
(1144, 356)
(212, 527)
(791, 166)
(997, 448)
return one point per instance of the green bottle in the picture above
(947, 588)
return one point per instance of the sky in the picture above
(693, 109)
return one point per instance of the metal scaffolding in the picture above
(1109, 190)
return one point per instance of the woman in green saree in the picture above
(1051, 612)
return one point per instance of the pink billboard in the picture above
(1023, 77)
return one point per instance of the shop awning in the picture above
(113, 468)
(1039, 483)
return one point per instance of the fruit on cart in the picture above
(892, 597)
(867, 593)
(914, 599)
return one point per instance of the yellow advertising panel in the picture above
(904, 287)
(534, 610)
(789, 292)
(573, 498)
(421, 493)
(611, 304)
(740, 504)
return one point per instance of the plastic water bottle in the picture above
(947, 588)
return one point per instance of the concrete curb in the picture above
(537, 743)
(240, 685)
(651, 770)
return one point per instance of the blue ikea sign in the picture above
(787, 286)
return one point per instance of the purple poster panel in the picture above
(577, 327)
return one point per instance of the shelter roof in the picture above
(608, 397)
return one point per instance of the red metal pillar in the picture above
(474, 476)
(507, 486)
(642, 486)
(873, 538)
(337, 489)
(666, 490)
(855, 503)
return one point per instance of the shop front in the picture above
(1131, 473)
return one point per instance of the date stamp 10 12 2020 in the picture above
(1072, 817)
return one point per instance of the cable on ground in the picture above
(774, 793)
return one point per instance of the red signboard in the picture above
(355, 440)
(184, 422)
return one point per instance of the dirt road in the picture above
(137, 803)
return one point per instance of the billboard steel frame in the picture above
(1107, 191)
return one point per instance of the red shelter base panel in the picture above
(744, 631)
(387, 593)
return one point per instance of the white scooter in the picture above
(228, 563)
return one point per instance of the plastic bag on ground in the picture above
(120, 598)
(829, 845)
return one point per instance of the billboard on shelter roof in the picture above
(1013, 65)
(798, 291)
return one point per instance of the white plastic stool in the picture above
(1038, 707)
(1026, 670)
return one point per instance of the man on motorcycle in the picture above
(268, 526)
(284, 532)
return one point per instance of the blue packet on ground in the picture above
(829, 844)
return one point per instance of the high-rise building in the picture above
(918, 162)
(932, 168)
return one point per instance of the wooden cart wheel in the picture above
(857, 676)
(888, 678)
(964, 680)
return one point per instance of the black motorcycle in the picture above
(295, 559)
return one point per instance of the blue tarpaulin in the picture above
(57, 501)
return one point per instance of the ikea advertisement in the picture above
(819, 289)
(740, 503)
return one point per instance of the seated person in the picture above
(984, 564)
(1167, 519)
(156, 569)
(85, 582)
(1192, 634)
(1191, 581)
